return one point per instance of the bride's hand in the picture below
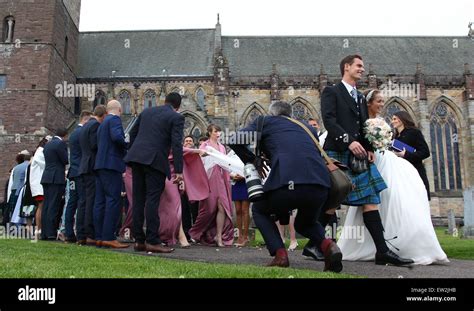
(371, 156)
(401, 154)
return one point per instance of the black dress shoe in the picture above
(70, 240)
(390, 258)
(313, 252)
(333, 258)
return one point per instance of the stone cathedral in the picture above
(229, 81)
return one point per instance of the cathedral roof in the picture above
(146, 53)
(189, 53)
(388, 55)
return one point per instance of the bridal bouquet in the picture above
(378, 133)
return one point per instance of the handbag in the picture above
(358, 165)
(28, 211)
(28, 207)
(341, 184)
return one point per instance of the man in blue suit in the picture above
(298, 180)
(109, 164)
(156, 131)
(88, 143)
(77, 199)
(53, 181)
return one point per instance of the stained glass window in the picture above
(192, 126)
(124, 99)
(100, 98)
(300, 111)
(149, 99)
(445, 149)
(200, 99)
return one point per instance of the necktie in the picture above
(354, 94)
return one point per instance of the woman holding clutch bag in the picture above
(407, 132)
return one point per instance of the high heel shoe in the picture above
(219, 242)
(293, 246)
(184, 245)
(243, 243)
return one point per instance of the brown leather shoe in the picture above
(91, 242)
(158, 248)
(82, 242)
(98, 243)
(114, 244)
(280, 260)
(332, 258)
(139, 247)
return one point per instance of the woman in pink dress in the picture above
(195, 185)
(214, 221)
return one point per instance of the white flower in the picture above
(378, 132)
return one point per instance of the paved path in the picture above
(259, 256)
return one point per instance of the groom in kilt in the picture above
(344, 112)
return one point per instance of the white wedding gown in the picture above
(405, 214)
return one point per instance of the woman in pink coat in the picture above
(214, 221)
(196, 186)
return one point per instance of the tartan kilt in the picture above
(368, 184)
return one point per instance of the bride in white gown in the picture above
(404, 209)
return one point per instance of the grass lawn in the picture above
(23, 259)
(455, 247)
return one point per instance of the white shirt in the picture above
(349, 87)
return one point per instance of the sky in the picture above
(285, 18)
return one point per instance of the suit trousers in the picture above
(52, 209)
(88, 180)
(107, 206)
(307, 199)
(75, 209)
(189, 213)
(148, 185)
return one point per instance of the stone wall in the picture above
(34, 64)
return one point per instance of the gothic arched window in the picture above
(200, 99)
(193, 126)
(8, 29)
(100, 98)
(445, 148)
(252, 115)
(124, 99)
(149, 99)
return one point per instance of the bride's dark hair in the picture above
(406, 119)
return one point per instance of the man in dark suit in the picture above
(298, 180)
(88, 143)
(76, 190)
(109, 165)
(344, 111)
(53, 182)
(157, 130)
